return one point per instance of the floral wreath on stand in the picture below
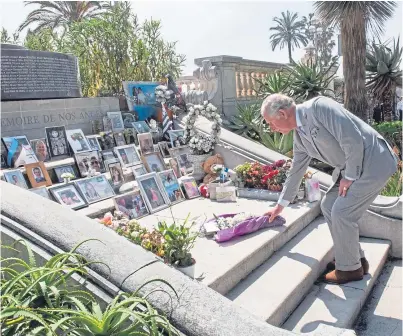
(199, 143)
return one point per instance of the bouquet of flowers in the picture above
(229, 222)
(162, 94)
(199, 143)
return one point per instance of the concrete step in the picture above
(274, 289)
(339, 306)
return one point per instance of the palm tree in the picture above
(54, 14)
(383, 73)
(354, 19)
(289, 31)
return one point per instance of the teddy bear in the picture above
(208, 166)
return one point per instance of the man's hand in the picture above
(273, 213)
(343, 187)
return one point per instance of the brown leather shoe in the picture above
(341, 277)
(364, 263)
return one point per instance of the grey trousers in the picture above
(342, 213)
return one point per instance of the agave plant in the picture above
(277, 82)
(276, 141)
(383, 73)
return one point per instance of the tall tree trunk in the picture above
(289, 52)
(387, 105)
(354, 52)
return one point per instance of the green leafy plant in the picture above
(395, 183)
(392, 132)
(277, 82)
(282, 143)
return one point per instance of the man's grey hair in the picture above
(275, 102)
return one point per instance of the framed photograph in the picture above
(154, 162)
(182, 154)
(117, 121)
(95, 189)
(20, 151)
(57, 141)
(190, 186)
(108, 154)
(177, 138)
(117, 177)
(107, 141)
(152, 191)
(94, 142)
(15, 177)
(3, 163)
(97, 126)
(174, 164)
(128, 155)
(78, 142)
(171, 186)
(37, 174)
(107, 123)
(41, 150)
(131, 204)
(64, 169)
(41, 191)
(21, 140)
(156, 148)
(128, 119)
(141, 127)
(68, 196)
(175, 152)
(88, 160)
(130, 135)
(164, 148)
(145, 143)
(108, 162)
(119, 139)
(139, 170)
(140, 97)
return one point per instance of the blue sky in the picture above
(210, 28)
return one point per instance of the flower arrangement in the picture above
(162, 94)
(67, 176)
(199, 143)
(258, 176)
(229, 222)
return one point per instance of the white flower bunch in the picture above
(225, 223)
(162, 94)
(67, 175)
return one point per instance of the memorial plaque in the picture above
(29, 74)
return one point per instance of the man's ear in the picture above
(282, 114)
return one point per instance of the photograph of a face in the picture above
(40, 148)
(68, 196)
(20, 150)
(117, 121)
(77, 140)
(57, 141)
(41, 191)
(128, 155)
(139, 170)
(152, 192)
(107, 122)
(174, 164)
(153, 162)
(117, 177)
(141, 127)
(119, 139)
(95, 189)
(88, 160)
(171, 186)
(37, 174)
(190, 187)
(145, 143)
(93, 142)
(15, 177)
(177, 138)
(64, 169)
(164, 148)
(131, 204)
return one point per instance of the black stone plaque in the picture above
(28, 74)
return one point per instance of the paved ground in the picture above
(382, 314)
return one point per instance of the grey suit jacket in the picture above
(335, 136)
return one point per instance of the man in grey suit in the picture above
(363, 163)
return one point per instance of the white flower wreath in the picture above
(162, 94)
(200, 143)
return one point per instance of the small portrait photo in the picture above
(117, 121)
(107, 123)
(41, 191)
(154, 162)
(107, 141)
(119, 139)
(108, 155)
(164, 148)
(88, 160)
(139, 170)
(141, 127)
(59, 171)
(40, 148)
(145, 143)
(177, 138)
(130, 135)
(20, 150)
(190, 186)
(171, 186)
(117, 177)
(128, 119)
(97, 126)
(184, 161)
(37, 174)
(95, 189)
(108, 162)
(68, 196)
(174, 164)
(128, 155)
(57, 141)
(93, 142)
(131, 204)
(77, 140)
(152, 192)
(15, 177)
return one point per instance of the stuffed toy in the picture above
(209, 169)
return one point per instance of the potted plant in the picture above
(67, 177)
(179, 240)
